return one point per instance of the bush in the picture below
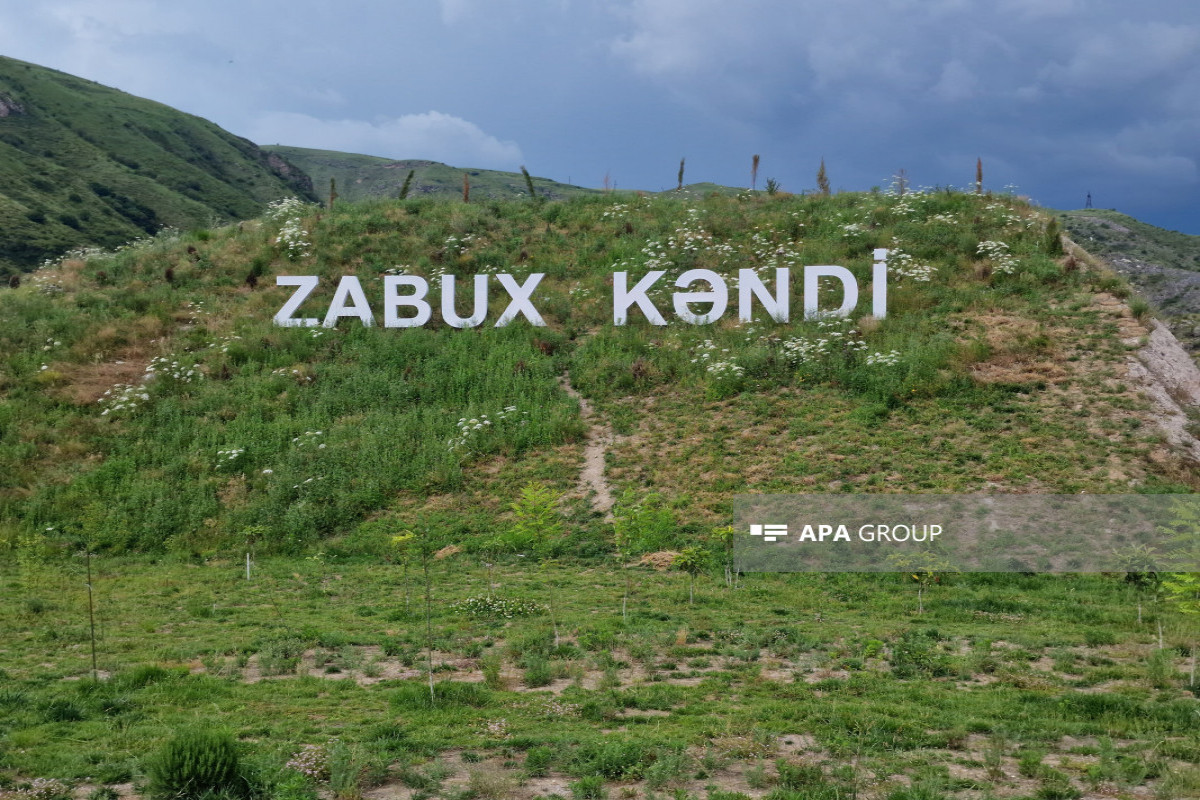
(61, 709)
(538, 672)
(612, 759)
(196, 763)
(589, 788)
(915, 655)
(538, 760)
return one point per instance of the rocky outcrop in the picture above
(1171, 379)
(10, 107)
(294, 176)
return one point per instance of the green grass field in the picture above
(1008, 685)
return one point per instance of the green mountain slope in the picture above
(361, 177)
(82, 164)
(147, 401)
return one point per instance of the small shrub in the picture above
(668, 768)
(799, 776)
(756, 777)
(589, 788)
(538, 672)
(281, 656)
(914, 654)
(491, 672)
(613, 759)
(489, 784)
(389, 736)
(61, 709)
(1160, 669)
(347, 772)
(194, 764)
(537, 761)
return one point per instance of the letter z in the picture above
(306, 284)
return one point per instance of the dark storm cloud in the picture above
(1057, 96)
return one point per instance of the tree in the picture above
(978, 176)
(925, 568)
(1142, 566)
(537, 525)
(754, 173)
(424, 546)
(544, 566)
(403, 544)
(533, 195)
(1181, 587)
(1052, 238)
(252, 534)
(407, 184)
(822, 180)
(640, 525)
(679, 188)
(1182, 592)
(725, 538)
(692, 560)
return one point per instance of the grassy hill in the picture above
(82, 164)
(1163, 265)
(151, 411)
(361, 177)
(1006, 346)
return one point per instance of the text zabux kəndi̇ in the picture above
(350, 301)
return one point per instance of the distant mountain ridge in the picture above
(362, 177)
(84, 164)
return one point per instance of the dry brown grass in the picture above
(88, 382)
(661, 561)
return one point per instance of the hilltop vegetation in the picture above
(150, 402)
(85, 165)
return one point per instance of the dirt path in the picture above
(592, 482)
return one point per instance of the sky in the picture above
(1058, 98)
